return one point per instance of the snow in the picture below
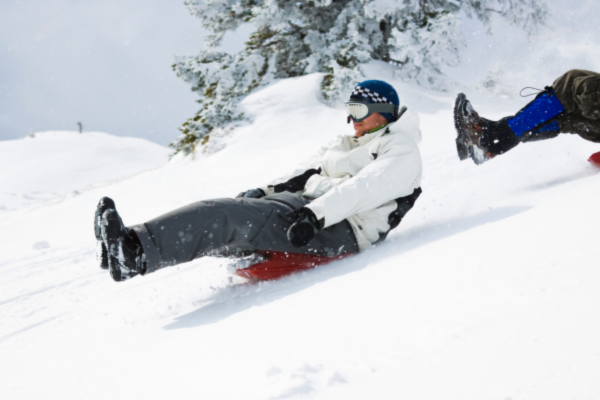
(487, 290)
(46, 165)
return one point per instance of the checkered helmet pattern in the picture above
(370, 94)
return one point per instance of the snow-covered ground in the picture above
(487, 290)
(47, 165)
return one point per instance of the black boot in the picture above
(479, 138)
(104, 204)
(125, 253)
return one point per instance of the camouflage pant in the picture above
(579, 92)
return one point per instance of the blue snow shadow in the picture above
(234, 299)
(587, 172)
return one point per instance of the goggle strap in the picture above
(401, 112)
(382, 108)
(395, 110)
(378, 107)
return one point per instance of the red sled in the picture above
(275, 264)
(595, 159)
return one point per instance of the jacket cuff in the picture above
(319, 213)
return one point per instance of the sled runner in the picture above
(268, 265)
(595, 159)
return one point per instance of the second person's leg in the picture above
(571, 105)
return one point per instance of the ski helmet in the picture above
(377, 92)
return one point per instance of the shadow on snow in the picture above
(237, 298)
(589, 171)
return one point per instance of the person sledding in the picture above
(361, 189)
(570, 105)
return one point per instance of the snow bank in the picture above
(49, 164)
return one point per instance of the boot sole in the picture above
(113, 234)
(464, 146)
(101, 254)
(464, 143)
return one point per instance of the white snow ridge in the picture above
(488, 289)
(50, 164)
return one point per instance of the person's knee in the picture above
(574, 72)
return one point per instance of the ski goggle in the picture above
(358, 110)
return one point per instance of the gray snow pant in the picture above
(234, 228)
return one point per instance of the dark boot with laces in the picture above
(479, 138)
(104, 204)
(125, 254)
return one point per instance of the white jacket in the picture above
(362, 177)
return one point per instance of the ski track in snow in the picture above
(488, 288)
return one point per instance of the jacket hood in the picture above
(408, 124)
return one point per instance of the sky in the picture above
(107, 63)
(104, 63)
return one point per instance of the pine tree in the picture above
(334, 37)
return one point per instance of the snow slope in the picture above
(487, 290)
(49, 164)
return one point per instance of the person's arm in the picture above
(298, 182)
(293, 185)
(394, 174)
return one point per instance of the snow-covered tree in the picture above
(335, 37)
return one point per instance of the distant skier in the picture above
(570, 105)
(361, 189)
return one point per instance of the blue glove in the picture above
(252, 194)
(304, 229)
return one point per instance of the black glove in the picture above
(252, 194)
(304, 229)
